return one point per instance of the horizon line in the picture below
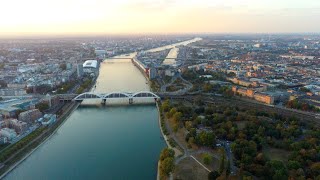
(93, 34)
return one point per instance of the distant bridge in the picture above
(125, 97)
(93, 95)
(155, 58)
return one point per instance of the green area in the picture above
(42, 106)
(202, 83)
(263, 144)
(65, 87)
(154, 85)
(8, 152)
(84, 86)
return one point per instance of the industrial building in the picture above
(30, 116)
(19, 126)
(251, 93)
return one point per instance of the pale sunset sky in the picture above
(19, 17)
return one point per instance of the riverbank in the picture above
(164, 137)
(160, 126)
(26, 151)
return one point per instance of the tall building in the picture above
(152, 73)
(79, 70)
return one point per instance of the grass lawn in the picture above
(214, 165)
(181, 136)
(276, 154)
(241, 124)
(189, 169)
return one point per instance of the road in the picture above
(227, 148)
(179, 92)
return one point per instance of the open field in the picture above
(189, 169)
(213, 166)
(276, 154)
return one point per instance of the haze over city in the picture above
(160, 89)
(74, 17)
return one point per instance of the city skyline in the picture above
(35, 17)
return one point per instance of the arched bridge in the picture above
(142, 97)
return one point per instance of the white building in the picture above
(8, 133)
(48, 119)
(12, 92)
(90, 66)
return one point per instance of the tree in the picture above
(205, 138)
(278, 170)
(166, 161)
(80, 90)
(172, 112)
(177, 116)
(207, 158)
(198, 100)
(207, 87)
(166, 152)
(63, 66)
(315, 168)
(167, 166)
(213, 175)
(221, 168)
(228, 170)
(231, 74)
(303, 89)
(42, 106)
(165, 105)
(293, 165)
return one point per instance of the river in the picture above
(101, 142)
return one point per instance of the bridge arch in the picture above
(88, 95)
(145, 94)
(116, 95)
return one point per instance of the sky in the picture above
(25, 17)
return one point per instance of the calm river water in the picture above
(99, 142)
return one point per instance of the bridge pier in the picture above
(104, 101)
(130, 100)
